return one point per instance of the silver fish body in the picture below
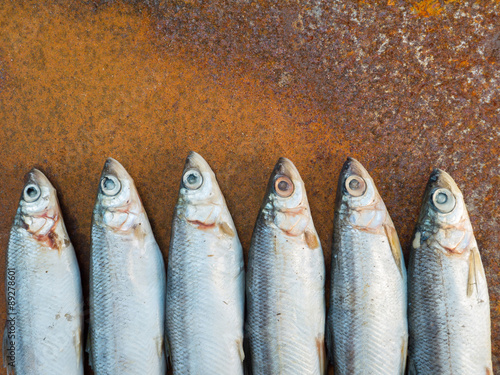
(285, 282)
(449, 312)
(205, 279)
(43, 288)
(127, 282)
(367, 325)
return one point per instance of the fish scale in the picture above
(367, 326)
(127, 284)
(285, 284)
(48, 295)
(205, 279)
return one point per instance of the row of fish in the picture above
(193, 316)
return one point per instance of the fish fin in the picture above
(159, 346)
(475, 271)
(404, 350)
(311, 240)
(77, 341)
(320, 346)
(241, 352)
(88, 346)
(11, 370)
(226, 229)
(395, 245)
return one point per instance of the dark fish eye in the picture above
(110, 185)
(192, 179)
(355, 185)
(31, 193)
(443, 200)
(283, 186)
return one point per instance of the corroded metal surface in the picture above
(402, 86)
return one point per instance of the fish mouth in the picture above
(353, 167)
(36, 177)
(440, 179)
(284, 167)
(196, 161)
(114, 168)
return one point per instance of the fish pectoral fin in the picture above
(404, 350)
(476, 270)
(241, 352)
(311, 240)
(320, 346)
(77, 341)
(225, 228)
(395, 245)
(159, 345)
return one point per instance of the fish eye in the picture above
(31, 193)
(283, 186)
(192, 179)
(110, 185)
(355, 186)
(443, 200)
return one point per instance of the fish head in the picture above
(358, 200)
(39, 212)
(118, 203)
(201, 202)
(286, 200)
(443, 215)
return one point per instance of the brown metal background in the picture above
(402, 86)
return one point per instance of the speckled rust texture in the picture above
(402, 86)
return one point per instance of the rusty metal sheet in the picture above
(404, 86)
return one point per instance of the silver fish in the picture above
(285, 282)
(367, 326)
(205, 285)
(448, 311)
(43, 288)
(127, 282)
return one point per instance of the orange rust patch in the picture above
(427, 8)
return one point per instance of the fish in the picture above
(127, 282)
(367, 330)
(448, 303)
(285, 283)
(205, 279)
(43, 333)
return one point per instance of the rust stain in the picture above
(428, 8)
